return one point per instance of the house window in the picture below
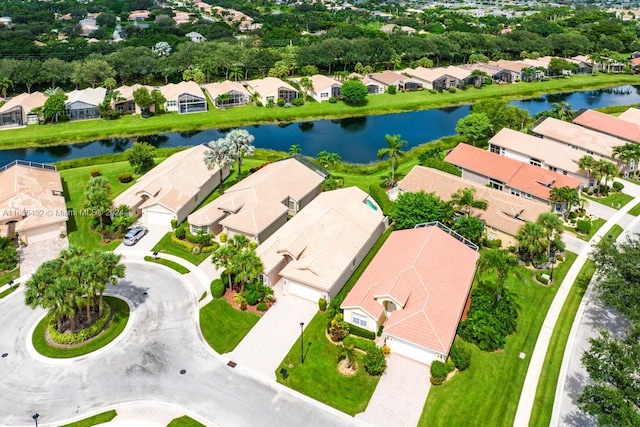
(553, 169)
(324, 95)
(535, 162)
(515, 192)
(527, 196)
(497, 150)
(263, 278)
(172, 103)
(195, 229)
(292, 204)
(498, 185)
(359, 320)
(270, 99)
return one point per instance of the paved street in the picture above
(145, 364)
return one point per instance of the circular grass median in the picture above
(120, 311)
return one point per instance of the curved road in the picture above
(145, 364)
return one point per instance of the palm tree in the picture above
(393, 150)
(307, 85)
(235, 72)
(624, 154)
(532, 241)
(562, 111)
(50, 91)
(110, 271)
(469, 227)
(564, 196)
(349, 354)
(222, 153)
(242, 141)
(222, 99)
(464, 200)
(587, 164)
(247, 265)
(479, 77)
(502, 263)
(608, 170)
(5, 84)
(552, 226)
(223, 258)
(295, 150)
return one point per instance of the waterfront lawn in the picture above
(223, 327)
(166, 246)
(120, 310)
(613, 200)
(500, 375)
(74, 182)
(39, 135)
(168, 263)
(318, 377)
(184, 421)
(545, 393)
(102, 418)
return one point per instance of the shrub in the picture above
(361, 332)
(223, 237)
(333, 100)
(452, 90)
(181, 243)
(8, 254)
(263, 306)
(374, 362)
(82, 335)
(338, 328)
(359, 343)
(439, 372)
(380, 329)
(490, 320)
(174, 223)
(559, 257)
(442, 165)
(211, 248)
(386, 350)
(125, 178)
(259, 104)
(240, 300)
(583, 226)
(492, 244)
(196, 250)
(573, 215)
(297, 102)
(217, 288)
(460, 354)
(381, 198)
(392, 89)
(541, 279)
(322, 304)
(512, 249)
(281, 102)
(255, 292)
(618, 186)
(95, 172)
(180, 233)
(252, 244)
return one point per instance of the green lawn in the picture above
(10, 275)
(487, 393)
(39, 135)
(595, 226)
(74, 182)
(168, 263)
(184, 421)
(8, 291)
(102, 418)
(635, 211)
(613, 200)
(165, 246)
(120, 316)
(318, 377)
(223, 326)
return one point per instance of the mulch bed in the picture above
(228, 296)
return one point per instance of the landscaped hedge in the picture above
(125, 178)
(441, 165)
(84, 334)
(359, 343)
(439, 372)
(361, 332)
(381, 198)
(460, 354)
(181, 243)
(211, 248)
(583, 226)
(217, 288)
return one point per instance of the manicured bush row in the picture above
(263, 306)
(217, 288)
(361, 332)
(439, 372)
(84, 334)
(211, 248)
(492, 244)
(181, 243)
(442, 166)
(359, 343)
(381, 198)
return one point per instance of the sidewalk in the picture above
(527, 396)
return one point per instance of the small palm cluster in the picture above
(73, 282)
(224, 152)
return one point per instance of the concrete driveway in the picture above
(156, 232)
(269, 341)
(34, 254)
(145, 364)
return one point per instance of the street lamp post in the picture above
(301, 342)
(35, 418)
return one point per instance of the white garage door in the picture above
(40, 234)
(304, 291)
(411, 351)
(157, 218)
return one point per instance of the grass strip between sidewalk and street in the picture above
(548, 382)
(101, 418)
(185, 421)
(168, 263)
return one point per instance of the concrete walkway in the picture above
(527, 396)
(268, 342)
(400, 394)
(34, 254)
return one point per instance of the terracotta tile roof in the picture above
(173, 90)
(457, 72)
(610, 125)
(260, 199)
(172, 183)
(267, 86)
(550, 152)
(515, 66)
(505, 212)
(577, 136)
(489, 69)
(25, 189)
(631, 115)
(328, 234)
(525, 177)
(387, 77)
(321, 82)
(427, 74)
(216, 89)
(428, 274)
(28, 101)
(126, 92)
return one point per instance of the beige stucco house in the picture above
(315, 252)
(227, 94)
(172, 189)
(260, 204)
(416, 286)
(184, 97)
(505, 213)
(17, 111)
(124, 100)
(31, 202)
(270, 89)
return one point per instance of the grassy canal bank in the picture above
(63, 133)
